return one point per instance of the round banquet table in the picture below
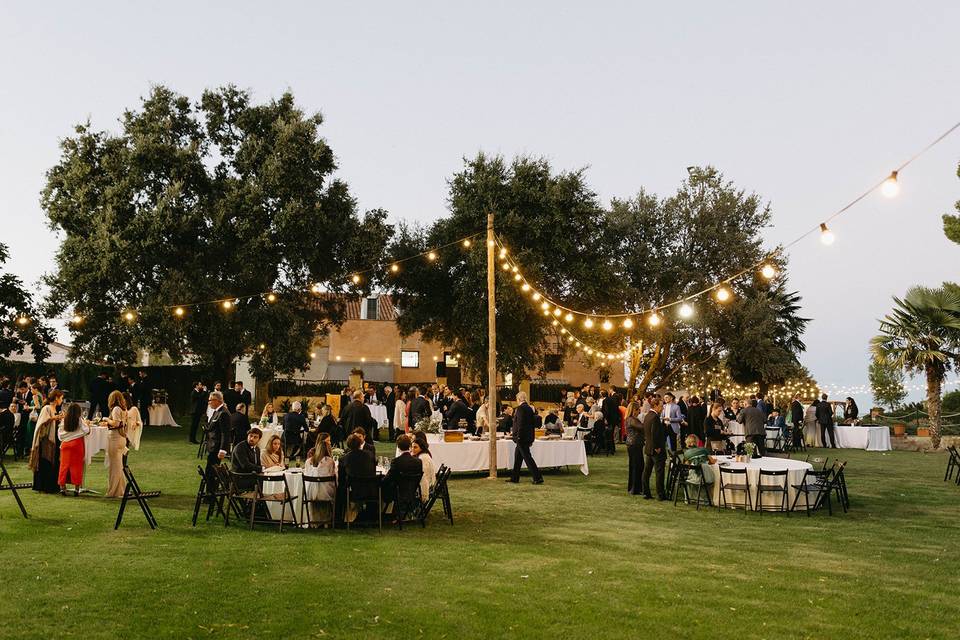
(379, 413)
(160, 416)
(294, 476)
(795, 472)
(474, 455)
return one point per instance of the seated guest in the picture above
(268, 416)
(569, 411)
(320, 464)
(70, 434)
(328, 425)
(239, 423)
(365, 444)
(778, 421)
(421, 449)
(245, 458)
(272, 455)
(696, 455)
(294, 424)
(505, 423)
(357, 463)
(583, 418)
(402, 464)
(552, 421)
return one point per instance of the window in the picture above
(368, 308)
(410, 359)
(553, 362)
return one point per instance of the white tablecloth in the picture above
(160, 416)
(267, 433)
(795, 470)
(474, 455)
(95, 442)
(869, 438)
(379, 413)
(736, 429)
(295, 484)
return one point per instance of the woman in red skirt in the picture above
(72, 450)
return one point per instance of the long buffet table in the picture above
(474, 455)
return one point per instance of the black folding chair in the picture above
(7, 484)
(692, 474)
(133, 492)
(240, 489)
(744, 486)
(262, 497)
(365, 490)
(309, 482)
(840, 486)
(953, 463)
(214, 497)
(814, 481)
(674, 464)
(439, 492)
(406, 497)
(778, 486)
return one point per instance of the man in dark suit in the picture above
(390, 402)
(610, 407)
(218, 434)
(344, 403)
(358, 415)
(294, 424)
(825, 420)
(245, 458)
(505, 421)
(357, 463)
(754, 422)
(239, 423)
(198, 405)
(99, 391)
(231, 397)
(460, 411)
(524, 426)
(419, 408)
(245, 397)
(696, 417)
(654, 448)
(796, 418)
(144, 397)
(402, 464)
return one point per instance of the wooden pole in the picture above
(491, 348)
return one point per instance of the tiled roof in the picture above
(385, 307)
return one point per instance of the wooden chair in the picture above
(215, 498)
(779, 486)
(133, 492)
(953, 463)
(284, 498)
(7, 484)
(814, 481)
(365, 490)
(747, 503)
(306, 503)
(406, 498)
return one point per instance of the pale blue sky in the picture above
(807, 104)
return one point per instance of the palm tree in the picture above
(922, 335)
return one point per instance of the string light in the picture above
(654, 319)
(356, 278)
(506, 266)
(227, 305)
(607, 325)
(628, 323)
(129, 316)
(262, 346)
(826, 236)
(316, 288)
(179, 311)
(23, 321)
(271, 297)
(77, 319)
(536, 296)
(432, 256)
(557, 311)
(768, 271)
(525, 287)
(686, 311)
(723, 294)
(394, 267)
(517, 277)
(890, 187)
(503, 252)
(588, 323)
(467, 243)
(568, 317)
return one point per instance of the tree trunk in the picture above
(934, 383)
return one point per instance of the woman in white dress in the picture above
(320, 464)
(134, 423)
(482, 422)
(810, 425)
(400, 412)
(421, 450)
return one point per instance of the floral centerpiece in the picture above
(427, 425)
(336, 453)
(748, 449)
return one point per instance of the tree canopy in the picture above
(196, 203)
(19, 314)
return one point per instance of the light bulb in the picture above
(535, 296)
(467, 243)
(517, 277)
(506, 266)
(628, 323)
(313, 355)
(588, 323)
(554, 323)
(77, 319)
(387, 361)
(227, 305)
(568, 317)
(515, 268)
(525, 287)
(355, 279)
(563, 329)
(890, 187)
(569, 338)
(607, 325)
(271, 297)
(179, 311)
(363, 359)
(489, 244)
(315, 288)
(544, 305)
(23, 321)
(826, 236)
(654, 320)
(128, 316)
(686, 311)
(768, 271)
(432, 256)
(338, 357)
(723, 294)
(394, 267)
(557, 311)
(503, 253)
(262, 346)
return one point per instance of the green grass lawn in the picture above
(574, 558)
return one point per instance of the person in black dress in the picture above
(634, 450)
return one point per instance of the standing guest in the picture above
(52, 383)
(273, 453)
(796, 418)
(436, 398)
(99, 392)
(634, 450)
(239, 423)
(358, 415)
(144, 396)
(524, 427)
(217, 433)
(294, 424)
(400, 413)
(231, 396)
(460, 412)
(696, 416)
(390, 403)
(328, 425)
(673, 419)
(825, 420)
(683, 406)
(9, 421)
(6, 392)
(37, 402)
(134, 424)
(713, 428)
(754, 422)
(419, 408)
(45, 450)
(654, 448)
(610, 406)
(421, 450)
(71, 434)
(810, 422)
(763, 406)
(245, 397)
(344, 403)
(245, 459)
(850, 410)
(198, 404)
(23, 401)
(116, 444)
(732, 410)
